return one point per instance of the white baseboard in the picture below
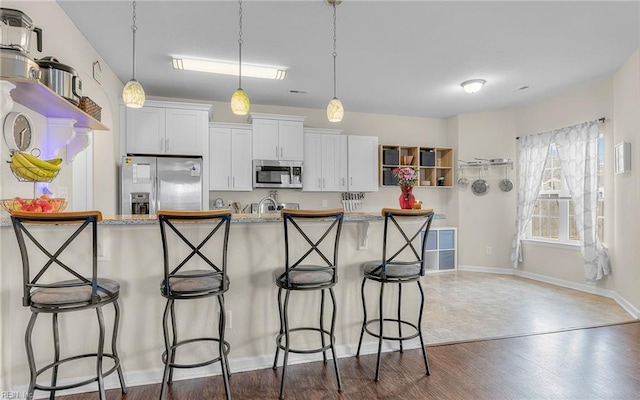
(241, 364)
(625, 304)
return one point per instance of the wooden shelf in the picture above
(438, 160)
(39, 98)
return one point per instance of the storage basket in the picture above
(90, 107)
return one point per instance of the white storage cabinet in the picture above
(322, 160)
(441, 249)
(277, 137)
(361, 163)
(166, 128)
(230, 157)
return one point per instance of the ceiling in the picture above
(394, 57)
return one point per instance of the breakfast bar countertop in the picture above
(235, 218)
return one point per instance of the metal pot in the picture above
(479, 187)
(462, 181)
(506, 185)
(60, 78)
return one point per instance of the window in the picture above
(553, 214)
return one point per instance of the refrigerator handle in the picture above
(161, 144)
(156, 188)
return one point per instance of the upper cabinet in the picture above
(166, 128)
(277, 137)
(322, 161)
(362, 163)
(229, 157)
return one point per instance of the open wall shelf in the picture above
(435, 164)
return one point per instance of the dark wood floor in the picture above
(595, 363)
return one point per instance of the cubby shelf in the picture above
(435, 164)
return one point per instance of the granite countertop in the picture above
(235, 218)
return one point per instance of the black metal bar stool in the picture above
(188, 284)
(84, 291)
(393, 270)
(296, 276)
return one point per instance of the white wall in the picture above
(488, 220)
(63, 40)
(626, 114)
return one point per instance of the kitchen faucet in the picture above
(263, 200)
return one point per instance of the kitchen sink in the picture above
(267, 208)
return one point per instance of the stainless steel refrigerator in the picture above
(149, 184)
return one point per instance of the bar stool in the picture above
(295, 276)
(391, 270)
(179, 284)
(86, 291)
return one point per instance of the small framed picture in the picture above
(622, 158)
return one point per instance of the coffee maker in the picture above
(16, 30)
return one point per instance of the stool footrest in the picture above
(309, 351)
(227, 346)
(377, 334)
(77, 384)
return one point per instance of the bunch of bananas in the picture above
(31, 168)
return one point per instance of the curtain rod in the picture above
(601, 120)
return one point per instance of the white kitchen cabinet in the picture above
(277, 137)
(145, 130)
(440, 250)
(322, 157)
(230, 157)
(362, 163)
(166, 128)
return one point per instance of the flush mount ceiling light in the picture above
(335, 110)
(133, 93)
(473, 85)
(229, 68)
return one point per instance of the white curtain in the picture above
(532, 155)
(578, 153)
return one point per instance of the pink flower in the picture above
(407, 176)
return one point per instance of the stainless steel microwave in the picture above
(277, 174)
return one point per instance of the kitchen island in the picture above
(131, 253)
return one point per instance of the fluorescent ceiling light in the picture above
(229, 68)
(473, 86)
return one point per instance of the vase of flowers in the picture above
(407, 179)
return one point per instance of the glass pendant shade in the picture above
(240, 103)
(133, 94)
(335, 111)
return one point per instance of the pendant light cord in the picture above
(240, 45)
(134, 28)
(334, 49)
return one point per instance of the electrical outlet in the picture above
(325, 204)
(62, 192)
(104, 246)
(488, 250)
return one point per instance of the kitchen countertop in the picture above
(235, 218)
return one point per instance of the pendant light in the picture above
(240, 103)
(335, 111)
(133, 93)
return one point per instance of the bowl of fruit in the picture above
(43, 203)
